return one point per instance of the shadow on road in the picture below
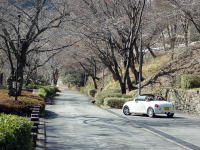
(50, 115)
(157, 116)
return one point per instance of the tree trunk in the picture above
(20, 79)
(21, 57)
(55, 76)
(1, 78)
(136, 51)
(115, 78)
(123, 87)
(163, 41)
(95, 83)
(134, 71)
(151, 51)
(186, 38)
(129, 83)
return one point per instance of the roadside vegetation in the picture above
(47, 91)
(15, 133)
(109, 95)
(22, 106)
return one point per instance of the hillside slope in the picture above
(186, 61)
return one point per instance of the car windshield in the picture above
(154, 98)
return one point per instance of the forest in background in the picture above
(42, 41)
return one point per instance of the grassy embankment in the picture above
(181, 72)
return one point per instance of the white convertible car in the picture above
(148, 104)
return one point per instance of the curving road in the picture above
(75, 124)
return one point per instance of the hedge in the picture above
(33, 86)
(47, 91)
(112, 91)
(22, 105)
(92, 92)
(178, 81)
(187, 81)
(115, 102)
(99, 97)
(15, 133)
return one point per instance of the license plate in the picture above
(166, 108)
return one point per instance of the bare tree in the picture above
(24, 26)
(190, 9)
(116, 34)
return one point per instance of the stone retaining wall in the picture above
(184, 100)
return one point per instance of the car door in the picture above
(132, 106)
(140, 105)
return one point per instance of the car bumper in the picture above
(161, 111)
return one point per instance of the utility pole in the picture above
(18, 50)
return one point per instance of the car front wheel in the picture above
(150, 112)
(126, 110)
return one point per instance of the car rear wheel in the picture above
(126, 110)
(170, 115)
(150, 112)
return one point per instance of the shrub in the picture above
(82, 90)
(47, 91)
(178, 81)
(22, 105)
(15, 133)
(115, 102)
(112, 90)
(42, 93)
(188, 81)
(86, 88)
(99, 97)
(92, 92)
(3, 87)
(127, 96)
(33, 86)
(132, 93)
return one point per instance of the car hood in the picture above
(127, 103)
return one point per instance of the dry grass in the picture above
(111, 84)
(151, 66)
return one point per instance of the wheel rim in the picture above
(126, 110)
(170, 115)
(150, 113)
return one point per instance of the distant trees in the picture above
(25, 28)
(190, 10)
(114, 34)
(91, 67)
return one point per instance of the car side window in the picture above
(140, 99)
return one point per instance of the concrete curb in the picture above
(41, 138)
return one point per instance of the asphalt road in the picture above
(75, 124)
